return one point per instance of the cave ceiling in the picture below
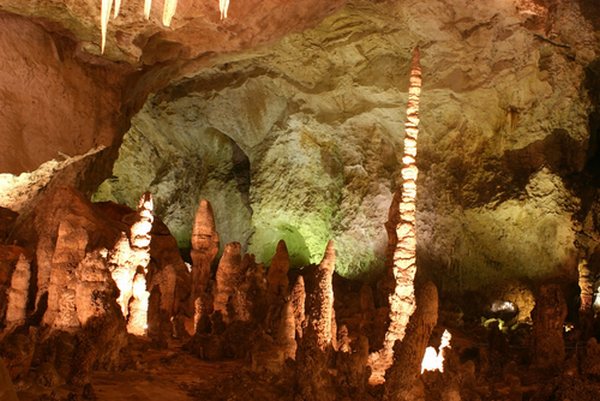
(288, 117)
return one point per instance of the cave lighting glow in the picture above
(434, 360)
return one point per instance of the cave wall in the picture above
(56, 111)
(504, 131)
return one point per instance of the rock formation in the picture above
(205, 246)
(404, 267)
(17, 294)
(408, 353)
(129, 261)
(277, 276)
(315, 348)
(229, 276)
(548, 320)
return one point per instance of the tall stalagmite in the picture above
(402, 300)
(205, 246)
(137, 322)
(408, 354)
(315, 348)
(229, 276)
(548, 319)
(277, 277)
(128, 260)
(319, 304)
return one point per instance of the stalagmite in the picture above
(122, 271)
(223, 7)
(408, 353)
(205, 246)
(319, 306)
(17, 293)
(70, 250)
(140, 245)
(169, 11)
(548, 319)
(277, 276)
(138, 315)
(147, 8)
(229, 276)
(129, 258)
(298, 304)
(402, 300)
(434, 360)
(586, 285)
(104, 17)
(315, 348)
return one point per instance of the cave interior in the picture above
(369, 200)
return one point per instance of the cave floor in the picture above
(161, 375)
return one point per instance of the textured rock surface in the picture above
(52, 69)
(504, 116)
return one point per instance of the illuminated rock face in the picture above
(336, 124)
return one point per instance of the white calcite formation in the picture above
(128, 263)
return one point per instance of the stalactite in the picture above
(169, 11)
(104, 17)
(223, 7)
(402, 300)
(117, 8)
(147, 8)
